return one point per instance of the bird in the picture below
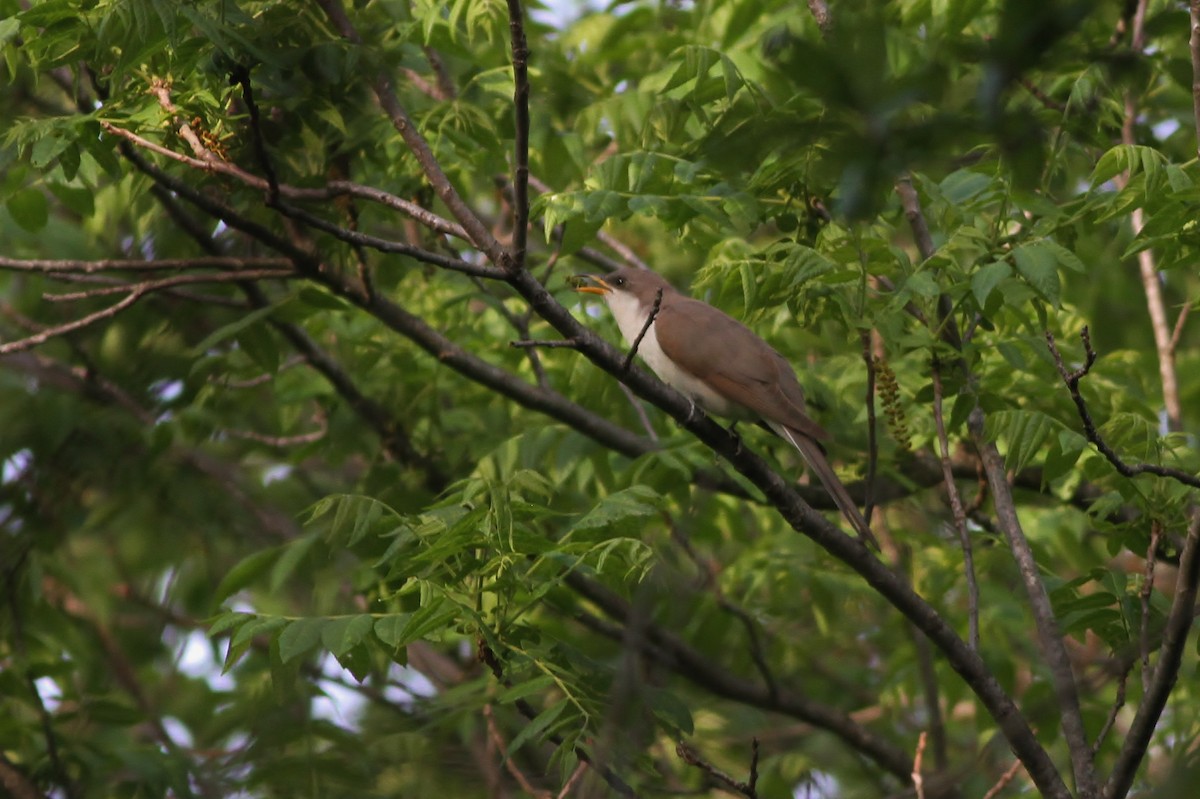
(720, 365)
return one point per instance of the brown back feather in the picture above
(732, 359)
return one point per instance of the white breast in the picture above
(630, 319)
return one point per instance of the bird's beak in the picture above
(590, 284)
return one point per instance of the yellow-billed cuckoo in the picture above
(719, 364)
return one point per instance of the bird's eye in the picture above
(619, 281)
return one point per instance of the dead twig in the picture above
(917, 778)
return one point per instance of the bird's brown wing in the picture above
(734, 361)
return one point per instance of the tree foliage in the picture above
(319, 479)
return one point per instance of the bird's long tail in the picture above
(816, 460)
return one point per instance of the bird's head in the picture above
(625, 287)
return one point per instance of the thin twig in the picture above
(1194, 47)
(654, 309)
(488, 657)
(169, 282)
(690, 756)
(918, 779)
(520, 56)
(1072, 378)
(519, 323)
(1151, 285)
(640, 410)
(957, 510)
(45, 335)
(509, 765)
(567, 343)
(211, 163)
(1118, 703)
(331, 190)
(710, 572)
(241, 76)
(477, 231)
(1004, 780)
(572, 780)
(911, 204)
(872, 427)
(358, 239)
(282, 442)
(1144, 597)
(753, 766)
(1177, 331)
(56, 764)
(669, 649)
(45, 266)
(1166, 672)
(931, 689)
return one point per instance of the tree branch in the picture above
(1194, 48)
(674, 653)
(476, 230)
(958, 511)
(690, 756)
(1072, 379)
(53, 267)
(1151, 286)
(29, 342)
(211, 163)
(1166, 671)
(615, 782)
(637, 342)
(1049, 635)
(805, 520)
(520, 56)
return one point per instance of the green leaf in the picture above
(233, 328)
(536, 729)
(300, 636)
(244, 573)
(987, 278)
(293, 553)
(390, 629)
(29, 209)
(341, 634)
(525, 689)
(79, 200)
(241, 640)
(619, 510)
(1025, 432)
(1038, 264)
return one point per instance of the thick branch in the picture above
(807, 521)
(413, 327)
